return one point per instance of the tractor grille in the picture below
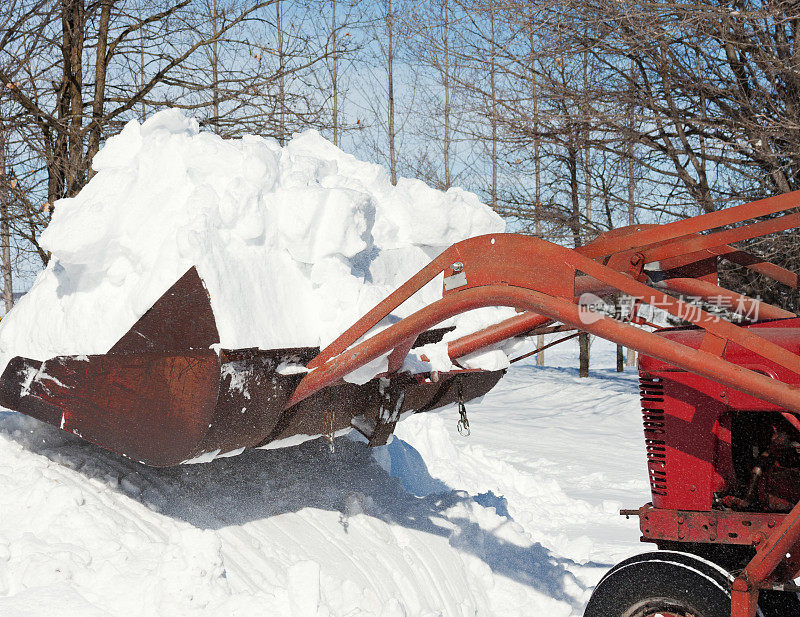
(652, 394)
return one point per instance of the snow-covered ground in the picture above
(520, 518)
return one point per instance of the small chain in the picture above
(328, 419)
(463, 422)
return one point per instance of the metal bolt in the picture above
(457, 267)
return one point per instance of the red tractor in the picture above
(724, 477)
(720, 397)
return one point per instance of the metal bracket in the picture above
(379, 428)
(456, 280)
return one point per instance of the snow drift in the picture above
(293, 243)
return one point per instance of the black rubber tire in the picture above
(779, 604)
(672, 581)
(662, 581)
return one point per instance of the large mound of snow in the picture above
(294, 244)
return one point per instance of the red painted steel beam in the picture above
(597, 278)
(735, 302)
(723, 330)
(694, 225)
(588, 284)
(759, 265)
(744, 600)
(524, 322)
(771, 554)
(681, 246)
(694, 360)
(511, 260)
(386, 340)
(747, 260)
(710, 527)
(497, 333)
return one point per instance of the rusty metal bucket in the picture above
(162, 396)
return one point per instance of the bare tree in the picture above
(59, 60)
(74, 72)
(5, 226)
(334, 75)
(386, 108)
(281, 73)
(389, 19)
(435, 54)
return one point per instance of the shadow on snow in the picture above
(259, 484)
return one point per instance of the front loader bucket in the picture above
(162, 396)
(152, 407)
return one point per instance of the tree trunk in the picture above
(631, 357)
(101, 67)
(73, 33)
(537, 206)
(446, 84)
(143, 115)
(583, 346)
(5, 243)
(390, 70)
(65, 147)
(334, 76)
(575, 225)
(281, 80)
(574, 193)
(5, 228)
(493, 112)
(215, 68)
(587, 151)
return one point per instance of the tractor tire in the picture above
(662, 583)
(779, 604)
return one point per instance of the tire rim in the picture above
(661, 607)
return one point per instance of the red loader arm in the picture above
(545, 282)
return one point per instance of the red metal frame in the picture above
(735, 302)
(544, 282)
(502, 270)
(709, 527)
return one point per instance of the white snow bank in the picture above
(300, 532)
(294, 244)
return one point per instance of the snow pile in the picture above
(294, 244)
